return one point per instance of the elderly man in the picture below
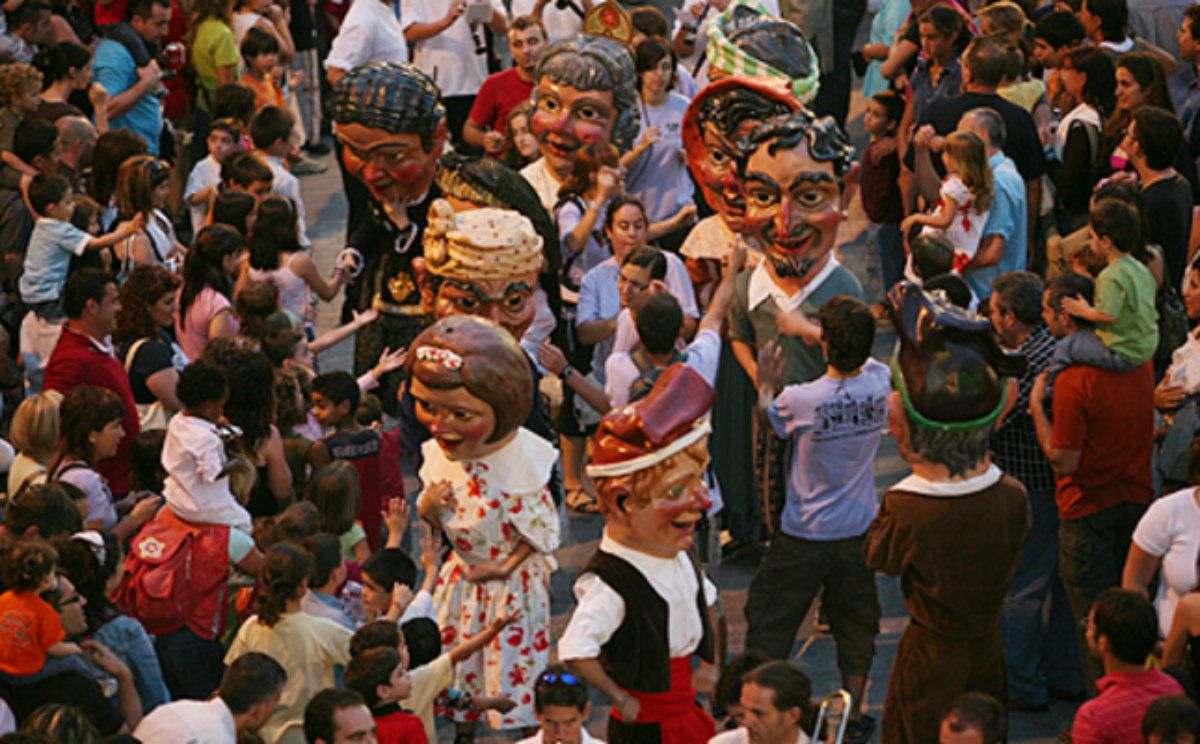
(76, 141)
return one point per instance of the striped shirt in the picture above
(1116, 714)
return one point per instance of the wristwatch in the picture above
(566, 373)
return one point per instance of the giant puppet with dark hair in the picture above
(645, 608)
(953, 531)
(793, 170)
(391, 126)
(484, 484)
(762, 68)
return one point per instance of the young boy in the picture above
(197, 486)
(205, 179)
(380, 675)
(327, 574)
(376, 455)
(834, 425)
(271, 132)
(54, 240)
(560, 700)
(389, 576)
(1126, 320)
(245, 171)
(880, 173)
(432, 669)
(260, 52)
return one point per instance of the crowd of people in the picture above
(592, 264)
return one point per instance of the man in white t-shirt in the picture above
(248, 696)
(448, 44)
(560, 700)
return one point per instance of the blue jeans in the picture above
(1039, 647)
(891, 254)
(130, 642)
(192, 666)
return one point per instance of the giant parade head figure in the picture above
(471, 384)
(761, 67)
(482, 261)
(949, 375)
(793, 169)
(585, 92)
(475, 183)
(391, 125)
(648, 461)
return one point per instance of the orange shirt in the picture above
(265, 91)
(29, 626)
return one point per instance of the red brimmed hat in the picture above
(644, 433)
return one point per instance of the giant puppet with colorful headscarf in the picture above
(644, 605)
(952, 531)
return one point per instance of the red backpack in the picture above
(177, 575)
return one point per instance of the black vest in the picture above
(638, 656)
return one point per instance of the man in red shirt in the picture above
(84, 356)
(504, 91)
(1121, 631)
(1099, 445)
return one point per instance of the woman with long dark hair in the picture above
(308, 647)
(205, 307)
(1087, 80)
(112, 149)
(277, 257)
(1139, 82)
(145, 339)
(66, 67)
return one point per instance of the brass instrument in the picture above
(834, 714)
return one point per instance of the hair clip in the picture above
(444, 357)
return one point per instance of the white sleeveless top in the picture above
(293, 290)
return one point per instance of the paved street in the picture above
(814, 652)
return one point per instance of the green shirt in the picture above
(756, 325)
(214, 47)
(1125, 290)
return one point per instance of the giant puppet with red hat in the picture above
(644, 606)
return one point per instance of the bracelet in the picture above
(597, 208)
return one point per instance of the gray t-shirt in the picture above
(660, 178)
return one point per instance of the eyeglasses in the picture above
(552, 678)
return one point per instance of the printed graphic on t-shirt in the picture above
(846, 417)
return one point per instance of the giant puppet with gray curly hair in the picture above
(585, 92)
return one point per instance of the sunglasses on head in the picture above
(551, 678)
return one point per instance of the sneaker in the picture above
(317, 148)
(306, 166)
(860, 730)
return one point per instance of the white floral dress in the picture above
(499, 500)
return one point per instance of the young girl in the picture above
(520, 147)
(966, 198)
(291, 413)
(31, 630)
(595, 179)
(90, 431)
(143, 183)
(205, 311)
(335, 492)
(485, 486)
(276, 256)
(308, 647)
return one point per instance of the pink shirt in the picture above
(192, 332)
(1115, 715)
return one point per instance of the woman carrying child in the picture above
(485, 485)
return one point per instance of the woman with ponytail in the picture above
(307, 646)
(66, 67)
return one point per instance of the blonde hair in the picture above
(15, 79)
(639, 485)
(970, 155)
(34, 430)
